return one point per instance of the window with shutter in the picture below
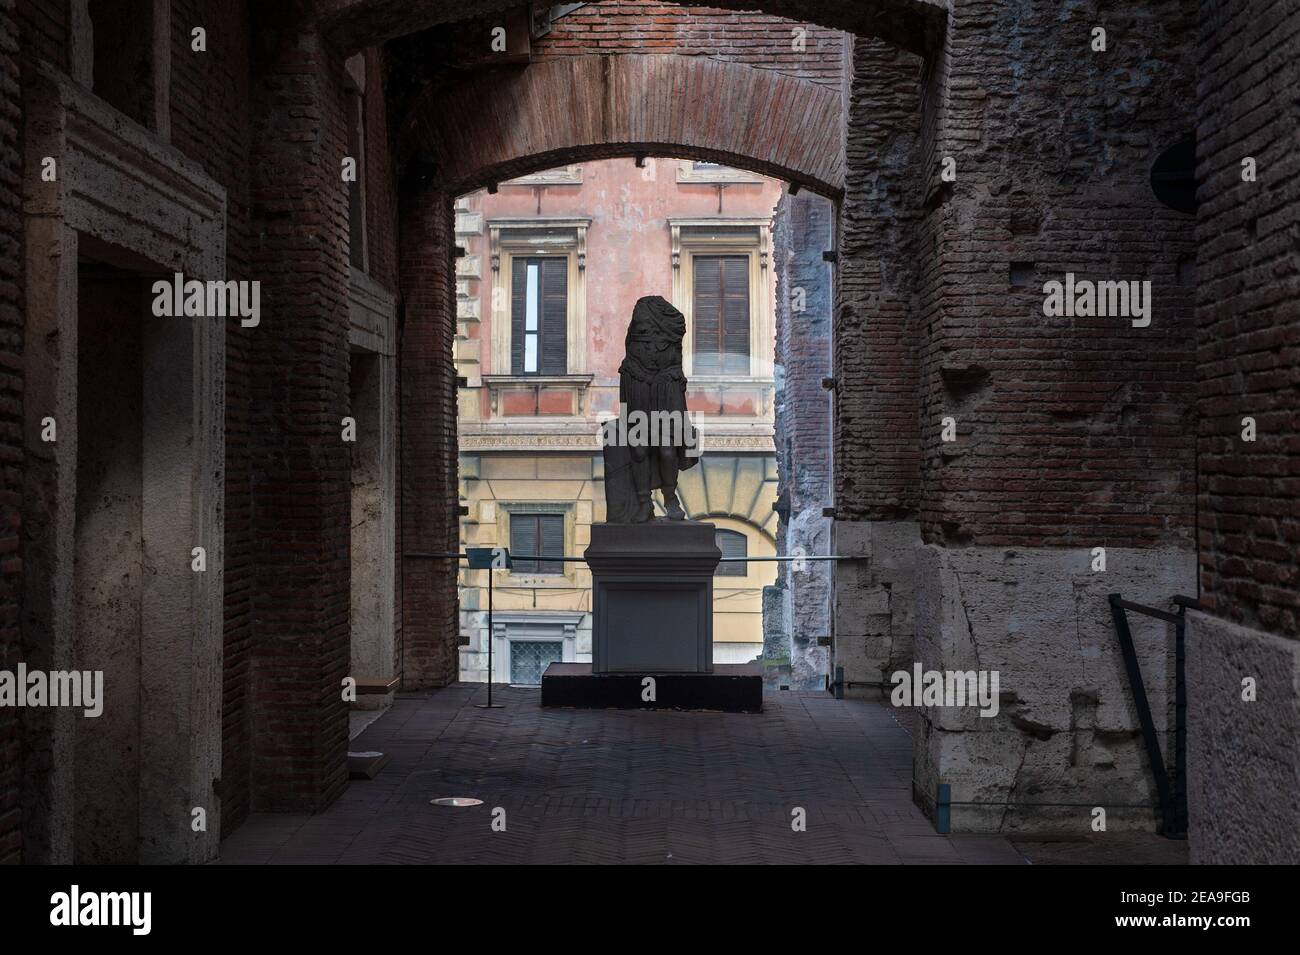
(539, 315)
(732, 544)
(523, 540)
(721, 314)
(537, 534)
(551, 534)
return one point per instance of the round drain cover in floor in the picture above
(456, 801)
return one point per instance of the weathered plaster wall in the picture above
(629, 243)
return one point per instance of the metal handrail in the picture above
(1173, 799)
(513, 556)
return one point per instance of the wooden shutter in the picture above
(518, 303)
(732, 544)
(552, 538)
(554, 309)
(523, 540)
(735, 315)
(708, 315)
(721, 314)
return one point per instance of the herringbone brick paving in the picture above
(622, 786)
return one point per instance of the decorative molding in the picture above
(563, 176)
(467, 267)
(469, 223)
(718, 175)
(497, 380)
(119, 182)
(543, 233)
(589, 442)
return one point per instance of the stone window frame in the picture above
(741, 236)
(538, 627)
(534, 236)
(728, 175)
(509, 577)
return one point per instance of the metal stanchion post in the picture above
(485, 558)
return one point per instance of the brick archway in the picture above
(509, 124)
(592, 107)
(913, 25)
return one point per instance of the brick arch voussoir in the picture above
(913, 25)
(589, 107)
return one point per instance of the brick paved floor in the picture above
(623, 786)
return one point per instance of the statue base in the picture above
(730, 688)
(652, 585)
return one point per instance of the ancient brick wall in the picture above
(428, 488)
(299, 389)
(645, 26)
(500, 124)
(876, 334)
(381, 186)
(1248, 315)
(877, 418)
(1244, 757)
(11, 423)
(803, 229)
(1069, 430)
(43, 26)
(913, 25)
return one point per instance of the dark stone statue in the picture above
(653, 438)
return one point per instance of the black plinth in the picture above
(731, 688)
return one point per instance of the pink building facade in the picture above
(550, 268)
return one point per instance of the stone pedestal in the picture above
(652, 589)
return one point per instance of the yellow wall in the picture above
(492, 483)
